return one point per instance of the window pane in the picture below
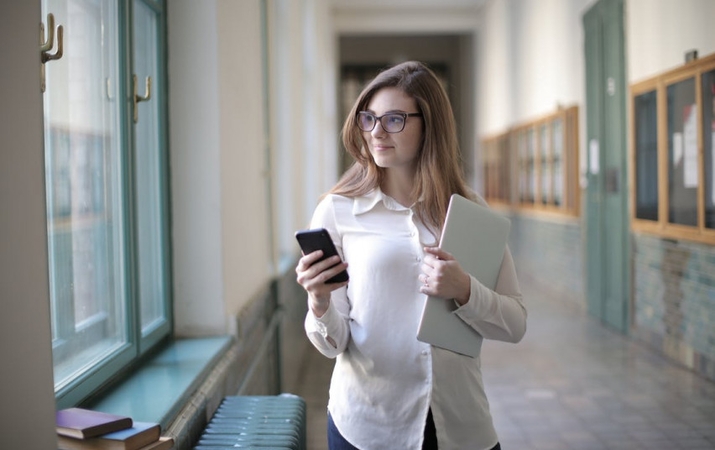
(545, 149)
(83, 182)
(531, 162)
(558, 150)
(709, 146)
(523, 166)
(646, 154)
(504, 166)
(148, 175)
(490, 178)
(682, 153)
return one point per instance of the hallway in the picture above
(570, 384)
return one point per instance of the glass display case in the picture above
(672, 153)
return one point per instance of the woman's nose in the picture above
(378, 130)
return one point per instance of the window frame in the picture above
(659, 84)
(126, 355)
(158, 332)
(496, 161)
(525, 157)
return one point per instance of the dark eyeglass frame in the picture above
(404, 116)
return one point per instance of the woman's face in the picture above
(394, 150)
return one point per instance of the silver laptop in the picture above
(476, 236)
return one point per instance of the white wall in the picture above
(660, 32)
(221, 251)
(245, 229)
(530, 56)
(230, 202)
(195, 156)
(530, 61)
(304, 135)
(322, 130)
(27, 414)
(531, 51)
(286, 106)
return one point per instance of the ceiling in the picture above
(402, 4)
(406, 16)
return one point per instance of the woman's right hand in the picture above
(313, 275)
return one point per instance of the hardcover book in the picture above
(164, 443)
(138, 436)
(84, 423)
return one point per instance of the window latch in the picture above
(140, 98)
(47, 44)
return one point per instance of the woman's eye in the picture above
(394, 120)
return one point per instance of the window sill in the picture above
(163, 385)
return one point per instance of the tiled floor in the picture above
(570, 384)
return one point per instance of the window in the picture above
(708, 136)
(557, 157)
(497, 177)
(646, 153)
(106, 183)
(672, 152)
(682, 153)
(545, 164)
(529, 163)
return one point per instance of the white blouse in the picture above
(385, 380)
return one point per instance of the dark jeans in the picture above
(337, 442)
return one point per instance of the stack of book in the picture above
(84, 429)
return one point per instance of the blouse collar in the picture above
(368, 201)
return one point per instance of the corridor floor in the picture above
(569, 384)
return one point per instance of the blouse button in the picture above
(322, 329)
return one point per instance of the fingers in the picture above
(423, 278)
(310, 264)
(442, 276)
(325, 275)
(431, 279)
(439, 253)
(313, 274)
(307, 260)
(431, 264)
(429, 285)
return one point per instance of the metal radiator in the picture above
(274, 422)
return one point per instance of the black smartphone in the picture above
(319, 239)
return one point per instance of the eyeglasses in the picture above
(391, 122)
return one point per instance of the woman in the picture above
(385, 215)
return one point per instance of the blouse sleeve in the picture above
(334, 323)
(498, 314)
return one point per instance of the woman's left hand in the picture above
(443, 277)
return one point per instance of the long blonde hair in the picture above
(439, 173)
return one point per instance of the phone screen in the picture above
(319, 239)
